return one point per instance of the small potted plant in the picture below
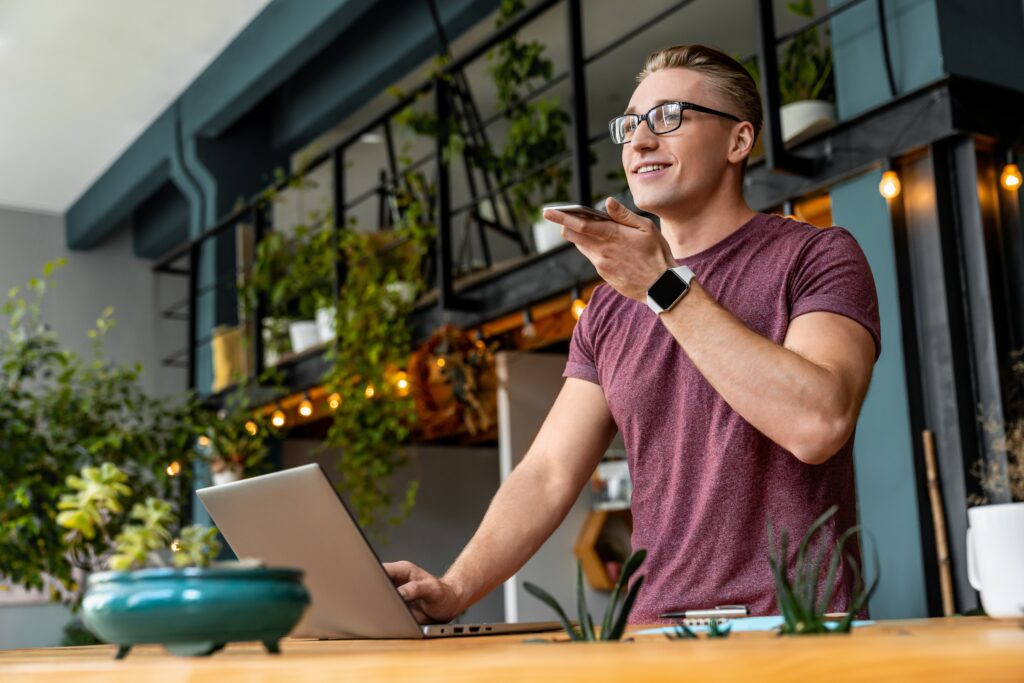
(182, 600)
(995, 538)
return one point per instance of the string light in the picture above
(402, 383)
(529, 329)
(441, 362)
(252, 428)
(306, 406)
(478, 339)
(890, 186)
(334, 401)
(176, 546)
(1010, 178)
(203, 441)
(578, 304)
(174, 469)
(370, 391)
(278, 418)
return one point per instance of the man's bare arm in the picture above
(526, 510)
(804, 395)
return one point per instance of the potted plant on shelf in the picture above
(234, 439)
(182, 600)
(806, 83)
(537, 130)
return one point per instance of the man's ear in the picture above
(742, 142)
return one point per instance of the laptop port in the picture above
(474, 629)
(458, 629)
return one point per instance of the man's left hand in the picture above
(628, 251)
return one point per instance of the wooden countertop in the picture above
(956, 649)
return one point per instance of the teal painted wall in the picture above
(883, 448)
(861, 82)
(983, 40)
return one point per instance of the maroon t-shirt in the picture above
(704, 480)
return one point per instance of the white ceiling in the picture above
(80, 80)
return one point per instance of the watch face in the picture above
(667, 290)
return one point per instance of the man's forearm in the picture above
(791, 400)
(524, 512)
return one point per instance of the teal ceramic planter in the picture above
(194, 611)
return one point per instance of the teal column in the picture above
(883, 450)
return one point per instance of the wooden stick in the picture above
(939, 520)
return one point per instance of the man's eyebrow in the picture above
(632, 110)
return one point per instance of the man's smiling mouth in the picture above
(649, 168)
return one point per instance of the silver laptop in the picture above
(295, 518)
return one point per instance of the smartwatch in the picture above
(669, 289)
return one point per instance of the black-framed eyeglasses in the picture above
(664, 118)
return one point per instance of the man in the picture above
(737, 401)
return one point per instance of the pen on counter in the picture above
(721, 612)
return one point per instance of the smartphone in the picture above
(581, 211)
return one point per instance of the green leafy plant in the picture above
(60, 412)
(802, 609)
(805, 70)
(537, 127)
(613, 626)
(95, 509)
(377, 415)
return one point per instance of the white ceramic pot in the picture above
(805, 118)
(325, 323)
(226, 476)
(303, 334)
(995, 557)
(547, 235)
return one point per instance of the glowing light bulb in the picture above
(278, 418)
(175, 546)
(306, 408)
(441, 362)
(890, 186)
(334, 401)
(1011, 177)
(252, 428)
(174, 469)
(577, 308)
(203, 441)
(370, 391)
(402, 383)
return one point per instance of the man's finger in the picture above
(620, 214)
(400, 572)
(581, 240)
(426, 590)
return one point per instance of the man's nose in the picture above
(643, 138)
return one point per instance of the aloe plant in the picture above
(683, 632)
(613, 626)
(802, 609)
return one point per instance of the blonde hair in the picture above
(724, 74)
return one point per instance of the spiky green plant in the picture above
(613, 625)
(683, 632)
(803, 611)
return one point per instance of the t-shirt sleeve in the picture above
(832, 274)
(582, 362)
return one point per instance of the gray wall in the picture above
(92, 280)
(109, 276)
